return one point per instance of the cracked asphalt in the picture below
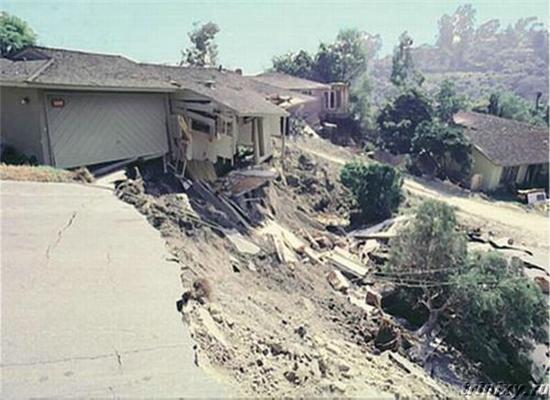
(88, 300)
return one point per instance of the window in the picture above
(338, 99)
(509, 174)
(200, 126)
(332, 96)
(307, 92)
(224, 127)
(326, 100)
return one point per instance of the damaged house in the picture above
(505, 153)
(72, 108)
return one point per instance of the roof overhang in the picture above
(43, 86)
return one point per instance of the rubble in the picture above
(338, 281)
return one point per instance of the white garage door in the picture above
(92, 128)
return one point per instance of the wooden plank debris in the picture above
(345, 262)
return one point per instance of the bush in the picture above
(498, 313)
(375, 187)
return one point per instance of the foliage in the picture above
(375, 187)
(340, 61)
(398, 120)
(403, 73)
(446, 145)
(297, 64)
(478, 57)
(361, 107)
(424, 256)
(448, 102)
(484, 304)
(11, 156)
(511, 106)
(204, 50)
(15, 34)
(497, 312)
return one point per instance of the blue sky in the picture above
(252, 31)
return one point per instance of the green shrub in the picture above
(375, 187)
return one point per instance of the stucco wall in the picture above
(21, 123)
(490, 172)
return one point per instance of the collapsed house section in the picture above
(70, 108)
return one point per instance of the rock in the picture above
(338, 281)
(338, 386)
(301, 331)
(374, 298)
(292, 377)
(333, 348)
(251, 266)
(214, 309)
(323, 367)
(543, 284)
(216, 313)
(276, 349)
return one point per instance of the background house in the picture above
(71, 108)
(505, 152)
(331, 100)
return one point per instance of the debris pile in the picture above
(281, 307)
(316, 185)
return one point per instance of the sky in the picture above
(252, 31)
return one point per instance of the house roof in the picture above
(289, 82)
(61, 68)
(504, 141)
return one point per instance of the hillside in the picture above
(478, 58)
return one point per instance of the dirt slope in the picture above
(272, 327)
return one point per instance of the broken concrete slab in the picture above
(338, 281)
(376, 231)
(242, 243)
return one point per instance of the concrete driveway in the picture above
(88, 300)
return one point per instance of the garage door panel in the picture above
(94, 128)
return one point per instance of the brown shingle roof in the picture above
(504, 141)
(289, 82)
(70, 68)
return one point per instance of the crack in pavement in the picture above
(97, 357)
(60, 234)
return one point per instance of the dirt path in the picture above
(529, 227)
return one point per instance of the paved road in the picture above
(88, 300)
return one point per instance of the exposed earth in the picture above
(258, 303)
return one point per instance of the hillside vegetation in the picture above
(478, 58)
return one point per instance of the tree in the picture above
(508, 105)
(446, 145)
(424, 257)
(483, 304)
(340, 61)
(498, 314)
(344, 59)
(448, 102)
(297, 64)
(361, 104)
(15, 34)
(403, 73)
(204, 50)
(375, 187)
(398, 120)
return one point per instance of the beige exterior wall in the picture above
(21, 124)
(204, 146)
(489, 172)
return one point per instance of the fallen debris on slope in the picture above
(272, 321)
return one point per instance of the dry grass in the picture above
(43, 174)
